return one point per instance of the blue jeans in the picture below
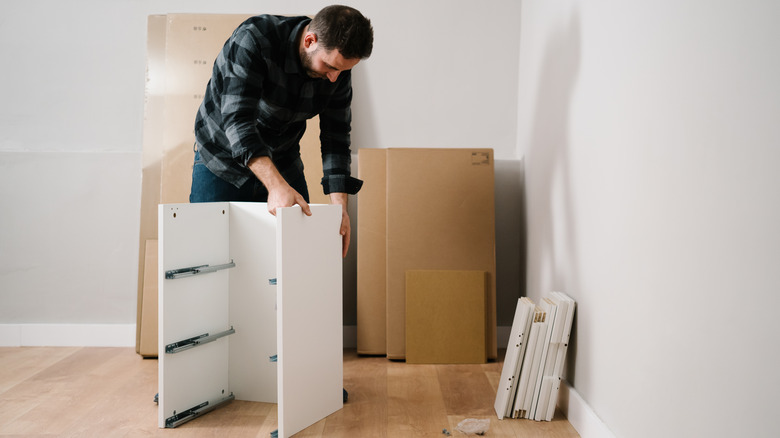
(207, 187)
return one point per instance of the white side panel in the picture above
(253, 302)
(192, 235)
(309, 316)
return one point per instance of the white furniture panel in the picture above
(310, 317)
(192, 307)
(253, 302)
(291, 262)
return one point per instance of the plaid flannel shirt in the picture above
(257, 103)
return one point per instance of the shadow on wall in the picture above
(510, 239)
(552, 252)
(363, 136)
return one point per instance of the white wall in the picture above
(650, 138)
(442, 75)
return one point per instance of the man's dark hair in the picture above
(345, 29)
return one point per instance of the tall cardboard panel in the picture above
(440, 216)
(372, 253)
(181, 49)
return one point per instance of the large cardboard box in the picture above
(181, 49)
(440, 216)
(372, 253)
(437, 210)
(445, 317)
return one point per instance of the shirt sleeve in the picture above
(243, 70)
(335, 126)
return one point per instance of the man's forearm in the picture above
(265, 170)
(340, 199)
(280, 193)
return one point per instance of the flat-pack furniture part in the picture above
(535, 356)
(238, 287)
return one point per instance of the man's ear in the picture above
(308, 39)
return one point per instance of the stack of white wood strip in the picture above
(533, 367)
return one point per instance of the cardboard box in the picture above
(181, 49)
(372, 253)
(446, 317)
(440, 216)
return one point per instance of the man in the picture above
(272, 75)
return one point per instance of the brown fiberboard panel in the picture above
(445, 317)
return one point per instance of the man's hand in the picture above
(346, 229)
(280, 194)
(286, 196)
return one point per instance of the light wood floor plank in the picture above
(415, 404)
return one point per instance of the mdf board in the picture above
(372, 253)
(222, 327)
(440, 216)
(445, 317)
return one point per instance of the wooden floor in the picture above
(109, 392)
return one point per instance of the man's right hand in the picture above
(286, 196)
(280, 194)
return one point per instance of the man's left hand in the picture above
(346, 229)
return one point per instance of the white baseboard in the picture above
(67, 335)
(580, 414)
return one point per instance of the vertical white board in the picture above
(253, 302)
(192, 235)
(309, 325)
